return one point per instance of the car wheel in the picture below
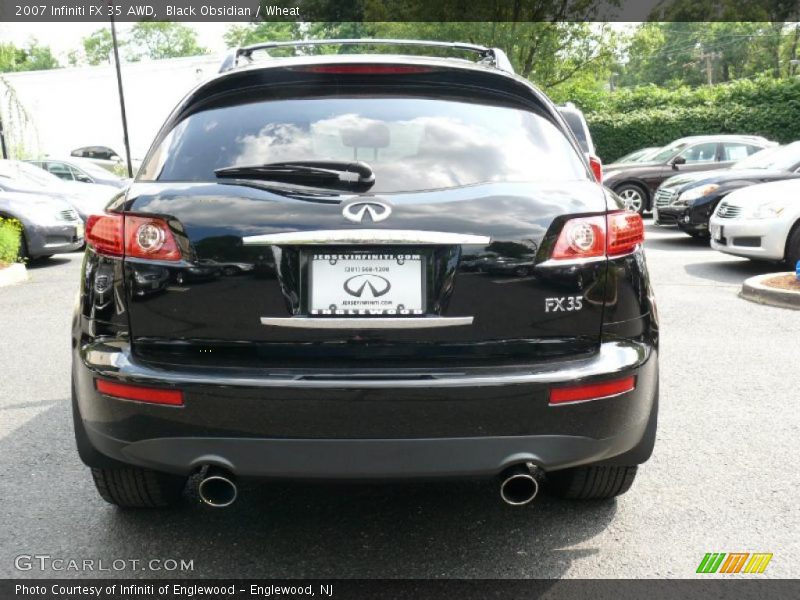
(633, 197)
(793, 247)
(586, 483)
(133, 487)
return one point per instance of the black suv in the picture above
(357, 340)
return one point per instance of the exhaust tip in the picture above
(519, 486)
(217, 490)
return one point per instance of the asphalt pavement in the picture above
(723, 478)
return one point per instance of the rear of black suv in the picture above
(289, 290)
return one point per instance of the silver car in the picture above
(50, 225)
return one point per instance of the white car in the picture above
(760, 221)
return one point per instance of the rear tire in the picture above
(590, 483)
(133, 487)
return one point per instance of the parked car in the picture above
(367, 353)
(640, 155)
(49, 225)
(760, 222)
(577, 124)
(637, 182)
(105, 157)
(80, 170)
(22, 177)
(688, 201)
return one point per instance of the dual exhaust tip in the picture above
(519, 485)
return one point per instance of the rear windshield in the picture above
(410, 143)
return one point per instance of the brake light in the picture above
(365, 69)
(597, 167)
(581, 238)
(592, 391)
(139, 393)
(625, 232)
(104, 234)
(616, 234)
(144, 237)
(150, 237)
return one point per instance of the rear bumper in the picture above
(475, 422)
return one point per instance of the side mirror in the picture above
(678, 160)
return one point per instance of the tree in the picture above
(252, 33)
(157, 40)
(98, 46)
(32, 57)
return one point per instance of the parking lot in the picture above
(723, 477)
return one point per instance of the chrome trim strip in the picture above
(571, 262)
(365, 236)
(366, 322)
(115, 361)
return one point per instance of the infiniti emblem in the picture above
(356, 285)
(357, 211)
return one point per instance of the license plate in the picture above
(366, 284)
(716, 232)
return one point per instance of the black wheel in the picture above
(793, 247)
(633, 197)
(22, 254)
(133, 487)
(586, 483)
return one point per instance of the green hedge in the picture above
(10, 236)
(630, 119)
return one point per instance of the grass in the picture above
(10, 236)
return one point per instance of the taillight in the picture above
(150, 237)
(597, 167)
(589, 237)
(625, 232)
(104, 234)
(139, 393)
(581, 238)
(365, 69)
(144, 237)
(592, 391)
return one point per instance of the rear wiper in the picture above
(335, 174)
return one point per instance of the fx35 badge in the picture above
(563, 304)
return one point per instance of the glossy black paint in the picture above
(195, 324)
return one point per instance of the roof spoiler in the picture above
(494, 57)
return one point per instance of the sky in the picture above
(63, 37)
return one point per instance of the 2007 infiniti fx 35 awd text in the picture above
(307, 280)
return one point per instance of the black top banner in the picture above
(399, 10)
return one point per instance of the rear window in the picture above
(411, 143)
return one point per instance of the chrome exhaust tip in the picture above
(519, 484)
(217, 488)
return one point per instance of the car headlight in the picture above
(765, 210)
(695, 193)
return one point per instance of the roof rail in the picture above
(490, 56)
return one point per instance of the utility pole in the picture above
(3, 149)
(121, 95)
(708, 56)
